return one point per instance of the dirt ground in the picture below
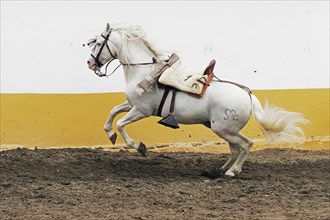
(97, 184)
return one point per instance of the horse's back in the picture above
(227, 94)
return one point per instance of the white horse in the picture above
(224, 108)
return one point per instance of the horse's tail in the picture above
(278, 124)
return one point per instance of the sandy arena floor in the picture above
(97, 184)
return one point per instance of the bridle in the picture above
(96, 58)
(99, 64)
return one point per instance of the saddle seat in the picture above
(187, 78)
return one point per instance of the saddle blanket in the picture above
(185, 78)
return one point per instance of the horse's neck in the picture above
(137, 53)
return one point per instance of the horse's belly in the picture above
(189, 109)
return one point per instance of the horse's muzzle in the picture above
(92, 64)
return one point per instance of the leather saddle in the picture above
(209, 73)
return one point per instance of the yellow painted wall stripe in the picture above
(44, 120)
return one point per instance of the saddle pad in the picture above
(184, 78)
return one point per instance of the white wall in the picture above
(262, 44)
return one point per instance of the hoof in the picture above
(142, 149)
(230, 173)
(113, 138)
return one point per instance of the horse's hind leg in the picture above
(234, 149)
(243, 144)
(124, 107)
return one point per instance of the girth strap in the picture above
(169, 120)
(162, 102)
(173, 101)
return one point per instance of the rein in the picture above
(100, 74)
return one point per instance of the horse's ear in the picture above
(108, 27)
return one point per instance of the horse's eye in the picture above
(98, 44)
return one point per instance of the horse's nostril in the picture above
(88, 62)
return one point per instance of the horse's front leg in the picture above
(132, 116)
(124, 107)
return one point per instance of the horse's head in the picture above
(101, 51)
(126, 43)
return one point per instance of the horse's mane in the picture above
(135, 32)
(130, 32)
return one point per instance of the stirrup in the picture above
(169, 121)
